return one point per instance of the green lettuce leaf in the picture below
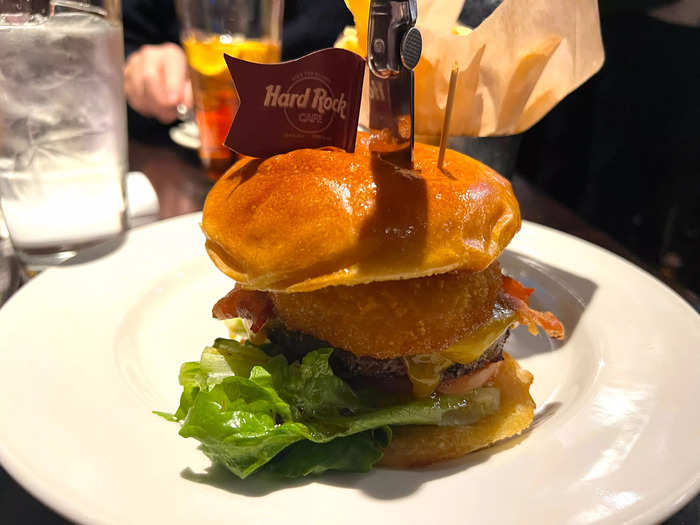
(252, 410)
(355, 453)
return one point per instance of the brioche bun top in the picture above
(313, 218)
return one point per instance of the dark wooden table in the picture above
(182, 185)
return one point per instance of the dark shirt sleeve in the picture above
(148, 22)
(308, 24)
(312, 24)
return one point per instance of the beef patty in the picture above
(349, 364)
(295, 345)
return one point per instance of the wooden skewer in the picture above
(448, 115)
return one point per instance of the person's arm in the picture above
(156, 81)
(155, 76)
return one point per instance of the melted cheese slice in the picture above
(425, 370)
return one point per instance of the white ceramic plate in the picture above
(89, 350)
(185, 134)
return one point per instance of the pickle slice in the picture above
(472, 406)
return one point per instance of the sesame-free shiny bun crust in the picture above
(313, 218)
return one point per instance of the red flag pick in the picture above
(309, 102)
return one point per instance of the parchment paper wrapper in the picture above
(514, 68)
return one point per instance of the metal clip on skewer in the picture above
(394, 48)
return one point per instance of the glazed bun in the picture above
(313, 218)
(417, 445)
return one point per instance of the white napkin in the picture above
(142, 199)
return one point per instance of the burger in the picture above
(369, 317)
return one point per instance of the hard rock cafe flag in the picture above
(310, 102)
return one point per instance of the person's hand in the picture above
(156, 81)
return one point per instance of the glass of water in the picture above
(63, 142)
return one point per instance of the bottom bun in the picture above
(415, 446)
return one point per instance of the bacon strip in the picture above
(516, 296)
(253, 305)
(516, 289)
